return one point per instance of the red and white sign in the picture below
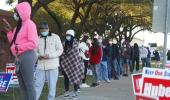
(156, 83)
(141, 97)
(137, 83)
(10, 68)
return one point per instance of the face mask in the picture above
(104, 46)
(100, 40)
(110, 42)
(68, 38)
(16, 17)
(44, 33)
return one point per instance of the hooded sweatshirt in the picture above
(27, 37)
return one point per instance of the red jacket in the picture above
(95, 59)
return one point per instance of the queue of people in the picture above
(103, 57)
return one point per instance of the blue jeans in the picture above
(115, 67)
(127, 63)
(102, 71)
(109, 67)
(121, 62)
(131, 65)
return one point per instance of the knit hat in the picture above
(43, 25)
(70, 32)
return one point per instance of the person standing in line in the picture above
(143, 55)
(120, 61)
(131, 61)
(157, 58)
(126, 55)
(114, 59)
(135, 57)
(100, 71)
(23, 40)
(103, 64)
(109, 60)
(148, 64)
(72, 64)
(95, 53)
(84, 52)
(49, 50)
(168, 55)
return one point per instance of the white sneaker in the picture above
(66, 95)
(75, 96)
(98, 81)
(78, 91)
(84, 85)
(108, 81)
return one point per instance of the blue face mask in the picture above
(44, 33)
(16, 17)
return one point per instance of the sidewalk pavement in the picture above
(116, 90)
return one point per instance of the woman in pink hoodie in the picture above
(23, 40)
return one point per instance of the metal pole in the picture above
(166, 33)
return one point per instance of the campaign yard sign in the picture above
(4, 81)
(141, 97)
(10, 68)
(156, 83)
(137, 83)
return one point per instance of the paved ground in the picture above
(116, 90)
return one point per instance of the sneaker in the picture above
(94, 84)
(84, 85)
(126, 75)
(78, 91)
(98, 81)
(108, 81)
(75, 96)
(120, 77)
(66, 95)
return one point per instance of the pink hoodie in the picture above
(27, 38)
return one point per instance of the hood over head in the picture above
(24, 10)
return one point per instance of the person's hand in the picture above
(40, 58)
(6, 26)
(46, 56)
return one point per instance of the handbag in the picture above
(17, 65)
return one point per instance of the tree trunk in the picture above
(75, 16)
(84, 18)
(52, 14)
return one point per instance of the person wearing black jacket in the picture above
(135, 56)
(114, 58)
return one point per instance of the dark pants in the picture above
(66, 83)
(26, 75)
(136, 61)
(86, 64)
(144, 62)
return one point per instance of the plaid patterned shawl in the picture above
(72, 64)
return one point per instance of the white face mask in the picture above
(16, 16)
(100, 40)
(68, 38)
(110, 42)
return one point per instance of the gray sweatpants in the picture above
(26, 75)
(95, 72)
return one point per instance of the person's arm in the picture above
(100, 53)
(10, 36)
(32, 39)
(59, 49)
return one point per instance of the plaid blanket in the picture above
(72, 64)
